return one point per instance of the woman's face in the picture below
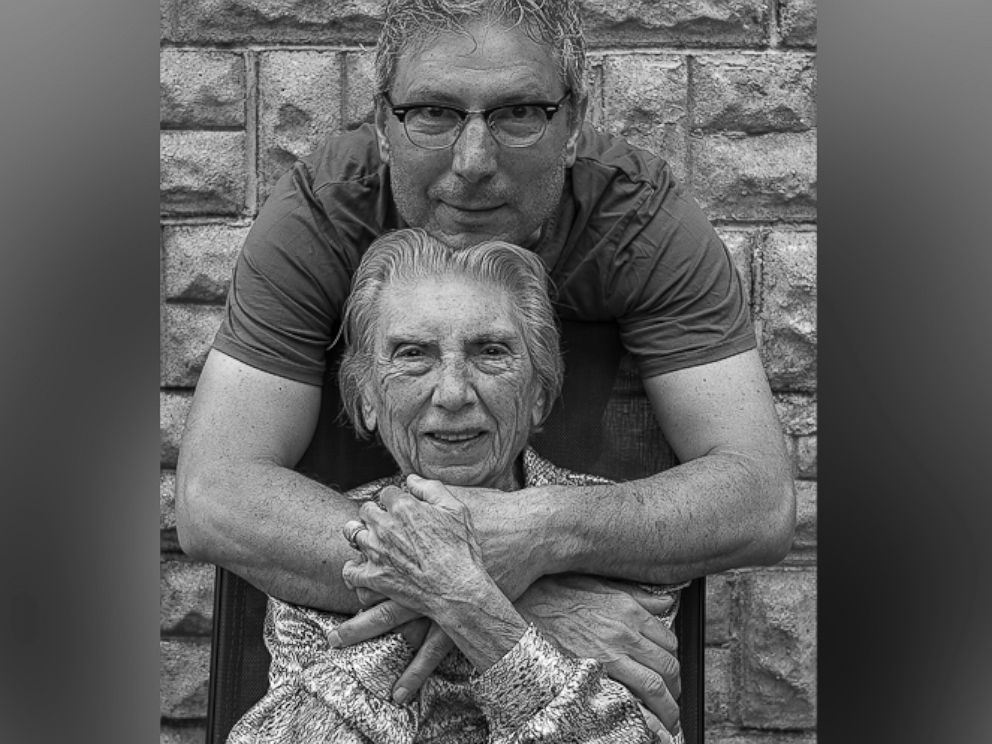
(454, 395)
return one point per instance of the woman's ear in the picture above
(537, 412)
(369, 417)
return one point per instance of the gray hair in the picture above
(555, 24)
(411, 254)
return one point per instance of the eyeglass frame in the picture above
(550, 109)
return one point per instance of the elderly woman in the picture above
(452, 360)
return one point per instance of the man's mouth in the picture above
(473, 208)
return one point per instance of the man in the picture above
(478, 134)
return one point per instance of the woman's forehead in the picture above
(447, 304)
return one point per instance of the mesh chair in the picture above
(602, 424)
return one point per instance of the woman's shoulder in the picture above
(370, 491)
(541, 472)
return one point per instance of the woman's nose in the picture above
(454, 389)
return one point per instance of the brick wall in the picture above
(724, 89)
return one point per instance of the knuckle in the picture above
(365, 596)
(669, 666)
(620, 670)
(653, 685)
(614, 669)
(675, 688)
(438, 648)
(421, 666)
(403, 506)
(386, 613)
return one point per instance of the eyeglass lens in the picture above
(438, 126)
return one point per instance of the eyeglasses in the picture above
(436, 127)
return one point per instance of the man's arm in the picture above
(239, 504)
(730, 503)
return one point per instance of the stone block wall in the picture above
(724, 89)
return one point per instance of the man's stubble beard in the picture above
(550, 189)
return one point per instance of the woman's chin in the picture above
(469, 476)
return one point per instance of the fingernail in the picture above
(400, 694)
(333, 639)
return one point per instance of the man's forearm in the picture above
(713, 513)
(272, 526)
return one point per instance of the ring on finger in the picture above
(353, 533)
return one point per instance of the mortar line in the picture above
(251, 128)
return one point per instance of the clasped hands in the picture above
(421, 551)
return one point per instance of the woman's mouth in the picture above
(453, 437)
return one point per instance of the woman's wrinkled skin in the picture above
(454, 396)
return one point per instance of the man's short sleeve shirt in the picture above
(627, 245)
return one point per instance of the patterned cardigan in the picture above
(344, 695)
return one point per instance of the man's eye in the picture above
(436, 112)
(494, 350)
(409, 352)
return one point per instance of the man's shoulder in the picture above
(615, 185)
(602, 158)
(337, 195)
(343, 158)
(616, 189)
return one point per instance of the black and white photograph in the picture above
(601, 463)
(496, 371)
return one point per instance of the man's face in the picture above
(478, 189)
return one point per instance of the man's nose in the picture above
(475, 151)
(454, 389)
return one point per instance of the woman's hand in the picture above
(420, 550)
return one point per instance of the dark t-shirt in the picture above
(635, 263)
(627, 246)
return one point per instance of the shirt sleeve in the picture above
(537, 693)
(288, 286)
(317, 693)
(676, 291)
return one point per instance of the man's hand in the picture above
(615, 624)
(513, 545)
(611, 622)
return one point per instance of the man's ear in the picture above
(381, 119)
(575, 129)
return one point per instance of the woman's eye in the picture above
(493, 350)
(409, 352)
